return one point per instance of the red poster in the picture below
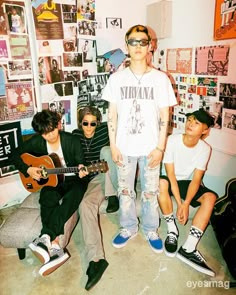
(225, 19)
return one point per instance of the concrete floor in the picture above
(133, 270)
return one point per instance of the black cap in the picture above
(203, 117)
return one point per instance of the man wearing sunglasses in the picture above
(95, 143)
(139, 99)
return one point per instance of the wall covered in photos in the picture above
(203, 71)
(60, 54)
(49, 58)
(17, 96)
(203, 74)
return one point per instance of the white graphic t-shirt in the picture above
(138, 107)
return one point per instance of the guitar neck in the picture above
(62, 170)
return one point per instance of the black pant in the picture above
(58, 204)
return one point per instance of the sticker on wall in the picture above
(113, 23)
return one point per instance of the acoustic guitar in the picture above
(52, 172)
(223, 202)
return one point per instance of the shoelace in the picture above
(45, 241)
(199, 256)
(153, 236)
(172, 238)
(124, 233)
(55, 251)
(40, 240)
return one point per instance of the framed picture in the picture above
(225, 19)
(8, 170)
(229, 121)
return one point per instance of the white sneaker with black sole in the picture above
(57, 258)
(40, 248)
(171, 244)
(195, 260)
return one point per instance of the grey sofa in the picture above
(24, 225)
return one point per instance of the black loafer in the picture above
(95, 272)
(113, 204)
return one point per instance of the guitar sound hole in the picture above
(42, 181)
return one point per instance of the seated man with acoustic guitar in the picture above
(58, 200)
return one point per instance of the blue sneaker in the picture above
(155, 241)
(122, 238)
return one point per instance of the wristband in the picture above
(162, 151)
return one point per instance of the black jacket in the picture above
(36, 146)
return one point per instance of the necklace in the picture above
(88, 143)
(138, 79)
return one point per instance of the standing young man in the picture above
(94, 138)
(185, 160)
(139, 98)
(57, 204)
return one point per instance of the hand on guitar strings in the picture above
(82, 171)
(35, 172)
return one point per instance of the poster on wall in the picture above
(16, 18)
(179, 60)
(225, 19)
(212, 60)
(3, 23)
(10, 139)
(48, 21)
(86, 9)
(229, 121)
(19, 97)
(228, 95)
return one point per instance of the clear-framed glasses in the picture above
(135, 42)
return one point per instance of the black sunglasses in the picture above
(92, 124)
(135, 42)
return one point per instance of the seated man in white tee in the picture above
(185, 160)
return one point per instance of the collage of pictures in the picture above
(71, 73)
(67, 61)
(197, 85)
(16, 77)
(196, 92)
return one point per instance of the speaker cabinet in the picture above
(159, 18)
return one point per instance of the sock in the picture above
(55, 245)
(195, 235)
(170, 220)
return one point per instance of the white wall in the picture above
(192, 25)
(132, 12)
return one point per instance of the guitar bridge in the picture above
(29, 186)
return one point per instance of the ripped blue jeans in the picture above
(149, 179)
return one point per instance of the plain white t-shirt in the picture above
(186, 159)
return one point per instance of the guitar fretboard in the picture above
(62, 170)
